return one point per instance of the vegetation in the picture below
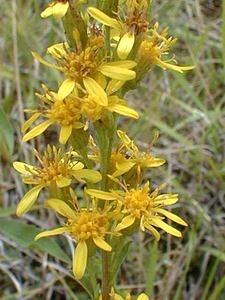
(187, 110)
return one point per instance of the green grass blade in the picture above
(218, 290)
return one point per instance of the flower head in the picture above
(70, 112)
(153, 48)
(125, 31)
(97, 101)
(65, 113)
(78, 64)
(85, 227)
(56, 169)
(142, 207)
(128, 157)
(116, 296)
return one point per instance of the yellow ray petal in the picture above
(177, 68)
(113, 86)
(122, 168)
(123, 110)
(118, 297)
(60, 9)
(30, 121)
(101, 194)
(153, 162)
(65, 133)
(39, 129)
(126, 44)
(66, 88)
(22, 167)
(80, 259)
(47, 12)
(28, 200)
(100, 79)
(63, 182)
(52, 232)
(103, 18)
(166, 199)
(78, 125)
(169, 229)
(62, 208)
(77, 166)
(58, 50)
(143, 297)
(117, 72)
(126, 222)
(45, 62)
(171, 216)
(102, 244)
(90, 175)
(93, 88)
(152, 230)
(124, 64)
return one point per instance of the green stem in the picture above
(106, 286)
(105, 133)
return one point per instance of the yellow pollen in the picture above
(77, 66)
(88, 225)
(137, 202)
(65, 112)
(53, 165)
(149, 51)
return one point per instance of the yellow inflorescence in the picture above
(77, 66)
(88, 225)
(106, 55)
(65, 112)
(137, 202)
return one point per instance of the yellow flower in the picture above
(129, 157)
(153, 48)
(98, 101)
(65, 113)
(85, 226)
(57, 169)
(115, 296)
(57, 9)
(78, 65)
(139, 206)
(128, 297)
(125, 32)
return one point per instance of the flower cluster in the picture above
(104, 51)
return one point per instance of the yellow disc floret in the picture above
(54, 165)
(137, 202)
(88, 224)
(65, 112)
(79, 65)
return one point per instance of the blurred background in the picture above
(188, 111)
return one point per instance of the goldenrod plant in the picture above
(109, 48)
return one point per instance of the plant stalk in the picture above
(106, 285)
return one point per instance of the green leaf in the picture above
(218, 290)
(215, 252)
(24, 234)
(7, 211)
(6, 131)
(120, 246)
